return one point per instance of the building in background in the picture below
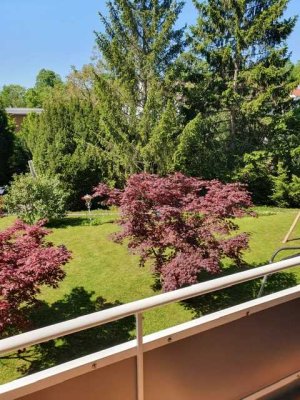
(296, 93)
(18, 114)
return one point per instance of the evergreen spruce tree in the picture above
(62, 143)
(138, 48)
(240, 48)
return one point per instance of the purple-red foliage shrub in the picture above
(108, 196)
(27, 261)
(185, 225)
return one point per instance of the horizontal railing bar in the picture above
(41, 335)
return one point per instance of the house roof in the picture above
(23, 111)
(296, 93)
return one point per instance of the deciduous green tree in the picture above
(46, 81)
(13, 96)
(47, 78)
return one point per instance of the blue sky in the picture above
(56, 34)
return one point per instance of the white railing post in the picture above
(139, 356)
(263, 283)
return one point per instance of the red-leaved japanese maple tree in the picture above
(27, 261)
(185, 225)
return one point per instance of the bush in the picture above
(183, 225)
(64, 142)
(27, 262)
(257, 172)
(281, 190)
(33, 199)
(295, 191)
(286, 190)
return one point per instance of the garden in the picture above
(170, 159)
(103, 273)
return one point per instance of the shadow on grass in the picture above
(296, 239)
(78, 302)
(68, 222)
(237, 294)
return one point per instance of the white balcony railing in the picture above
(137, 308)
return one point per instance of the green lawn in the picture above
(103, 274)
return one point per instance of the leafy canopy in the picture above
(13, 96)
(34, 199)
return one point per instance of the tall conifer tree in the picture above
(138, 47)
(63, 143)
(241, 47)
